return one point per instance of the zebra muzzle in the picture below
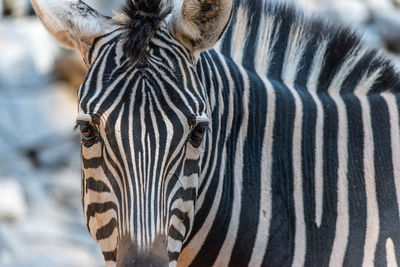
(129, 254)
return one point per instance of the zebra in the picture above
(221, 133)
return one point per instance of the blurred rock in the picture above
(17, 8)
(12, 201)
(388, 24)
(105, 7)
(31, 53)
(379, 5)
(348, 11)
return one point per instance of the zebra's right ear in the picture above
(73, 23)
(200, 23)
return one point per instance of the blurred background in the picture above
(41, 220)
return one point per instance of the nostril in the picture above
(128, 254)
(145, 261)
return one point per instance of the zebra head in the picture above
(143, 115)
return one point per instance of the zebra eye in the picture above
(87, 133)
(199, 131)
(197, 134)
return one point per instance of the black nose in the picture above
(143, 260)
(129, 255)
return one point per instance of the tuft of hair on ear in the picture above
(141, 19)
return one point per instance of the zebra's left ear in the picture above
(73, 23)
(200, 23)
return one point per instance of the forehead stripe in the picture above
(202, 118)
(84, 117)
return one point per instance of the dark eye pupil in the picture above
(86, 131)
(199, 132)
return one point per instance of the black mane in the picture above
(143, 19)
(342, 42)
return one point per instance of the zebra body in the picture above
(279, 147)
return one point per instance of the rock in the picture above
(380, 5)
(351, 12)
(388, 24)
(17, 8)
(30, 64)
(105, 7)
(12, 201)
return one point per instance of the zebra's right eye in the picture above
(197, 134)
(88, 135)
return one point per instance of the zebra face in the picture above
(142, 138)
(143, 119)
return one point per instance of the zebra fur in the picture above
(300, 165)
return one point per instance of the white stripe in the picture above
(226, 250)
(100, 76)
(89, 77)
(265, 212)
(395, 145)
(111, 89)
(221, 109)
(372, 228)
(372, 231)
(160, 189)
(342, 220)
(390, 253)
(133, 161)
(103, 41)
(265, 41)
(293, 55)
(155, 229)
(312, 84)
(109, 244)
(125, 162)
(189, 253)
(239, 35)
(262, 61)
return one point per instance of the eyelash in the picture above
(87, 140)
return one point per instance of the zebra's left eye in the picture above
(197, 134)
(88, 135)
(199, 131)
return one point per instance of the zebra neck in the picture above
(230, 90)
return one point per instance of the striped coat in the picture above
(277, 146)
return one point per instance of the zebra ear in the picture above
(199, 24)
(73, 23)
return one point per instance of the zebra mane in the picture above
(140, 19)
(264, 34)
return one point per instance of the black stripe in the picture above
(251, 193)
(355, 176)
(106, 230)
(95, 207)
(389, 225)
(308, 145)
(175, 234)
(356, 183)
(173, 256)
(338, 50)
(181, 216)
(281, 239)
(110, 255)
(210, 249)
(92, 163)
(96, 40)
(218, 132)
(96, 185)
